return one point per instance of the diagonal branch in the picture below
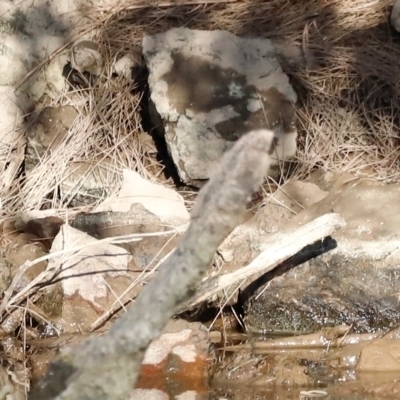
(105, 368)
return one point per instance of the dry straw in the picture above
(342, 58)
(346, 76)
(344, 67)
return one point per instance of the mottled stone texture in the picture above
(208, 88)
(357, 283)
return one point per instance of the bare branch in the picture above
(107, 367)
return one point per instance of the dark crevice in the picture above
(156, 131)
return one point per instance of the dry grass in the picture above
(107, 134)
(347, 80)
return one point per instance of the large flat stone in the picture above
(356, 284)
(208, 88)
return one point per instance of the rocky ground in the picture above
(113, 116)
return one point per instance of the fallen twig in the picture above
(278, 251)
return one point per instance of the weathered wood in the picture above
(105, 368)
(279, 250)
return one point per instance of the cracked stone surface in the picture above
(208, 88)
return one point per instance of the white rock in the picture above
(159, 349)
(124, 66)
(30, 32)
(84, 271)
(165, 203)
(86, 57)
(210, 88)
(56, 83)
(144, 394)
(10, 117)
(12, 141)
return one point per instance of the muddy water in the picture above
(326, 365)
(323, 365)
(330, 364)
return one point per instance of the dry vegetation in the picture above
(342, 58)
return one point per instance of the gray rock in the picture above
(355, 284)
(87, 182)
(47, 132)
(86, 57)
(208, 88)
(395, 15)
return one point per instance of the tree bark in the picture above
(106, 368)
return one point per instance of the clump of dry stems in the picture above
(341, 56)
(344, 68)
